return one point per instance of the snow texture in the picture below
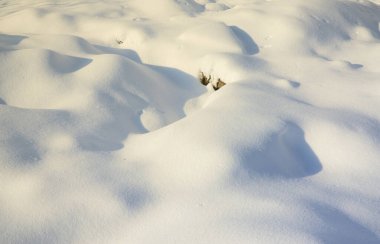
(107, 136)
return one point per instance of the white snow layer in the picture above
(107, 136)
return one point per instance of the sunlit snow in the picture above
(108, 136)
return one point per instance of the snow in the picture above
(107, 136)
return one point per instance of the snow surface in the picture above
(107, 136)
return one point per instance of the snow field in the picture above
(107, 136)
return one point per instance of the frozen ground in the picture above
(107, 136)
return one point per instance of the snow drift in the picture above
(107, 136)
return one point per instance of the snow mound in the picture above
(208, 37)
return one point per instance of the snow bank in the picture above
(107, 136)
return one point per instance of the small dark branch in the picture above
(203, 79)
(218, 85)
